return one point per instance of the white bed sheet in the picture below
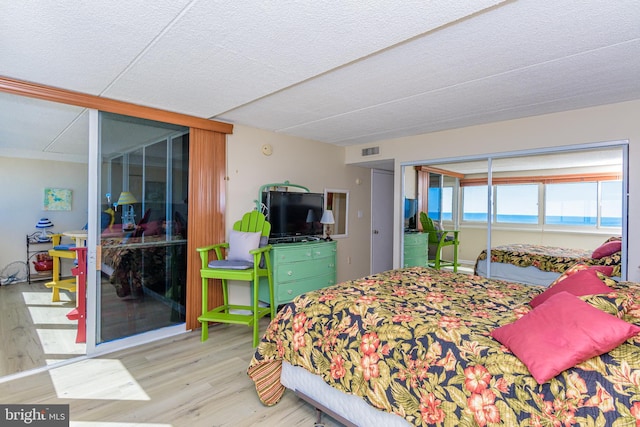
(512, 273)
(348, 406)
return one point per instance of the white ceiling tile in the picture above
(338, 72)
(81, 46)
(238, 54)
(431, 68)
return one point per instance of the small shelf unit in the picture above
(36, 246)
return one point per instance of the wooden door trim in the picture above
(63, 96)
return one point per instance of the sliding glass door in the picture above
(141, 282)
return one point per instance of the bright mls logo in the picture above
(34, 415)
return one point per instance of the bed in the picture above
(540, 265)
(414, 347)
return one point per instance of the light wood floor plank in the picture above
(187, 382)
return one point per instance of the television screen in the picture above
(293, 213)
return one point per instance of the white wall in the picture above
(309, 163)
(612, 122)
(23, 187)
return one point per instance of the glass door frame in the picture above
(94, 256)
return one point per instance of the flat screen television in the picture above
(293, 214)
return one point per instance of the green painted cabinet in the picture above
(298, 268)
(416, 249)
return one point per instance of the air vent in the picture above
(370, 151)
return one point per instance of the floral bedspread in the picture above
(415, 342)
(548, 258)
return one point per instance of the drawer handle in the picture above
(289, 291)
(289, 273)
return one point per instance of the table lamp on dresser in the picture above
(327, 219)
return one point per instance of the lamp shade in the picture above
(126, 198)
(310, 216)
(44, 223)
(327, 217)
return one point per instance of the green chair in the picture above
(247, 259)
(439, 239)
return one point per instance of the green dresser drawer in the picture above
(288, 291)
(286, 272)
(413, 261)
(302, 252)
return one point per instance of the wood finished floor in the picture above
(179, 381)
(36, 332)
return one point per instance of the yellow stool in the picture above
(56, 284)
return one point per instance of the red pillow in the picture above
(560, 333)
(583, 282)
(607, 249)
(607, 270)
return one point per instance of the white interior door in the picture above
(381, 221)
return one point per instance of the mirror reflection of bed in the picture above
(541, 265)
(527, 202)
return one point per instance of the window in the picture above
(564, 203)
(435, 194)
(474, 203)
(447, 203)
(440, 197)
(517, 204)
(573, 203)
(611, 204)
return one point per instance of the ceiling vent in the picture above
(370, 151)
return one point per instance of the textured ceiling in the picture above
(338, 72)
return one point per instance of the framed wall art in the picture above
(57, 199)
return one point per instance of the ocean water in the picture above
(533, 219)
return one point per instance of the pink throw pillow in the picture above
(604, 269)
(607, 249)
(560, 333)
(583, 282)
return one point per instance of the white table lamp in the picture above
(328, 219)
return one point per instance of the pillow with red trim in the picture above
(607, 249)
(604, 269)
(584, 282)
(561, 333)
